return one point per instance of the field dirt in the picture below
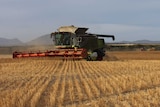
(128, 79)
(135, 55)
(5, 56)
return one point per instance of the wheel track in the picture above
(71, 90)
(83, 96)
(52, 68)
(62, 86)
(84, 81)
(54, 88)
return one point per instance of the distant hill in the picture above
(141, 42)
(42, 40)
(10, 42)
(146, 42)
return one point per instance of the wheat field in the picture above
(46, 82)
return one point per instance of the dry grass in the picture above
(51, 83)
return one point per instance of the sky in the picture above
(128, 20)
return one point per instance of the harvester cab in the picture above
(73, 42)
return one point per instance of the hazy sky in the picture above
(126, 19)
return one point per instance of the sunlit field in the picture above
(127, 81)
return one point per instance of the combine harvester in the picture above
(72, 42)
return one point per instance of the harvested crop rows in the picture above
(51, 83)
